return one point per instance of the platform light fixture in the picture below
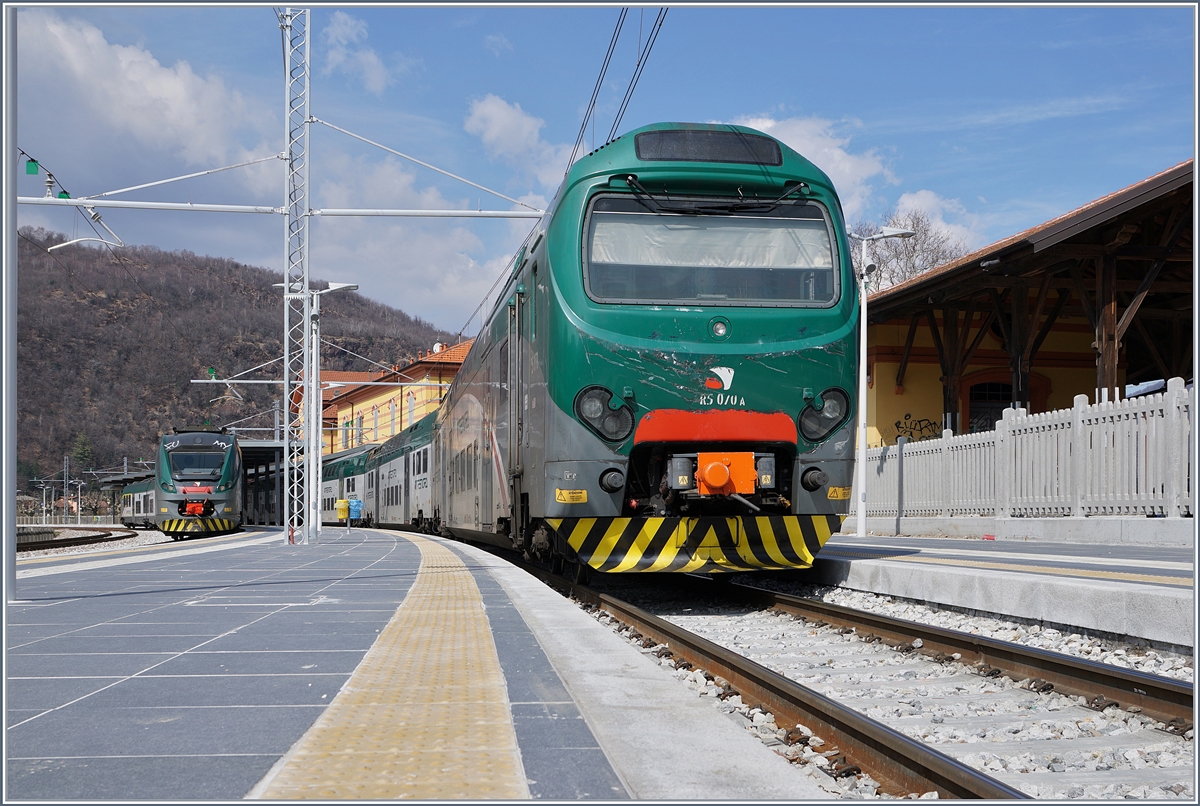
(313, 409)
(860, 452)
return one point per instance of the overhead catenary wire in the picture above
(596, 91)
(637, 72)
(424, 164)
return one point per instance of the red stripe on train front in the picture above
(720, 425)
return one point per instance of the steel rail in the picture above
(1160, 697)
(102, 537)
(901, 765)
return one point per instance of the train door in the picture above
(516, 412)
(408, 487)
(485, 466)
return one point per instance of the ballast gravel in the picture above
(1156, 661)
(147, 538)
(996, 725)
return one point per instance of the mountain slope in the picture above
(108, 342)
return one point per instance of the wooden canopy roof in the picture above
(1123, 262)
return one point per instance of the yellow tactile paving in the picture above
(424, 716)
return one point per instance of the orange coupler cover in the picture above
(724, 473)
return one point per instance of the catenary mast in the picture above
(301, 462)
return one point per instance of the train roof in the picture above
(721, 147)
(138, 486)
(416, 435)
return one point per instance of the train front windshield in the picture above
(779, 256)
(196, 464)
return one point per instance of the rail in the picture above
(1160, 697)
(901, 765)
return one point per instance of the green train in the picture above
(199, 481)
(665, 382)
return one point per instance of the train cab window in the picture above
(196, 464)
(711, 251)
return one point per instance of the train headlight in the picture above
(818, 423)
(593, 405)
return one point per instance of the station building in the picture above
(369, 408)
(1085, 303)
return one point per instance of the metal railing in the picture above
(1128, 457)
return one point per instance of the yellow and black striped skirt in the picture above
(697, 545)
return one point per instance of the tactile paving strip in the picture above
(424, 716)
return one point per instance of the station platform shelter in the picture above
(1087, 303)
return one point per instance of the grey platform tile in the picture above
(288, 641)
(339, 623)
(80, 644)
(194, 630)
(23, 633)
(125, 779)
(49, 692)
(343, 661)
(79, 665)
(552, 725)
(581, 774)
(153, 691)
(161, 731)
(561, 756)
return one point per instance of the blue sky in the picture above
(991, 119)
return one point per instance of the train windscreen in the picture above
(196, 464)
(783, 257)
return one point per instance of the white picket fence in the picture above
(1130, 457)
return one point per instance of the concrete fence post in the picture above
(900, 443)
(1079, 455)
(947, 472)
(1004, 465)
(1177, 443)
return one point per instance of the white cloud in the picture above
(437, 269)
(815, 139)
(512, 134)
(342, 36)
(497, 43)
(124, 92)
(948, 215)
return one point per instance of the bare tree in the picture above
(901, 259)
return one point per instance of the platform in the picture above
(373, 665)
(1146, 592)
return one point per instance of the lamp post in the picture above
(313, 409)
(79, 485)
(860, 452)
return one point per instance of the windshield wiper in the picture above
(645, 198)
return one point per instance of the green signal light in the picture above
(31, 167)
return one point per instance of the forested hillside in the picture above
(109, 340)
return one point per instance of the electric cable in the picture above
(637, 72)
(596, 91)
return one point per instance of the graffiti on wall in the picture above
(918, 429)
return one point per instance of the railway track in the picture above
(92, 536)
(923, 709)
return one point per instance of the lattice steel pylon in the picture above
(301, 464)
